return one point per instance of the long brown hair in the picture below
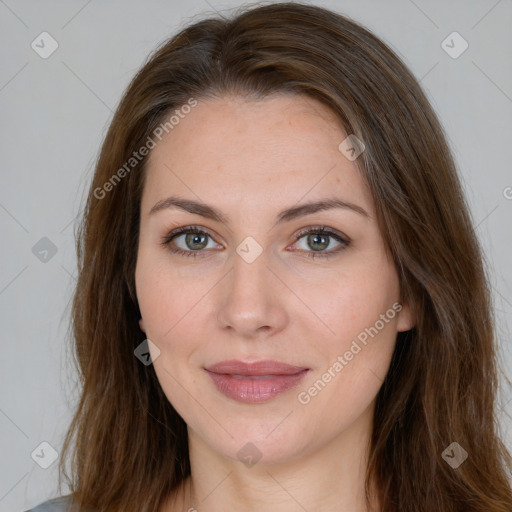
(128, 445)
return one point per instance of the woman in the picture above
(281, 302)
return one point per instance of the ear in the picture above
(141, 325)
(406, 319)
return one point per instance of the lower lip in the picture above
(251, 389)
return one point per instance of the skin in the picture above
(251, 160)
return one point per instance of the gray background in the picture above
(55, 112)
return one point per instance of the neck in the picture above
(331, 478)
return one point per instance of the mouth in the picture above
(256, 382)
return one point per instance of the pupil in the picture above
(315, 238)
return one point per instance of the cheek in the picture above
(174, 317)
(354, 366)
(359, 311)
(348, 303)
(167, 310)
(165, 300)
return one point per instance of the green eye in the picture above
(320, 237)
(196, 240)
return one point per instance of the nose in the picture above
(252, 299)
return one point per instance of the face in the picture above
(311, 296)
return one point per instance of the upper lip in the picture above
(235, 367)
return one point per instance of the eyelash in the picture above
(316, 230)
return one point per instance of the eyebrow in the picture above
(205, 210)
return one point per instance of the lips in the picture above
(258, 368)
(254, 382)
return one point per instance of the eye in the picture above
(195, 239)
(319, 238)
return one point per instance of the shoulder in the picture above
(60, 504)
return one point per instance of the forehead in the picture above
(280, 149)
